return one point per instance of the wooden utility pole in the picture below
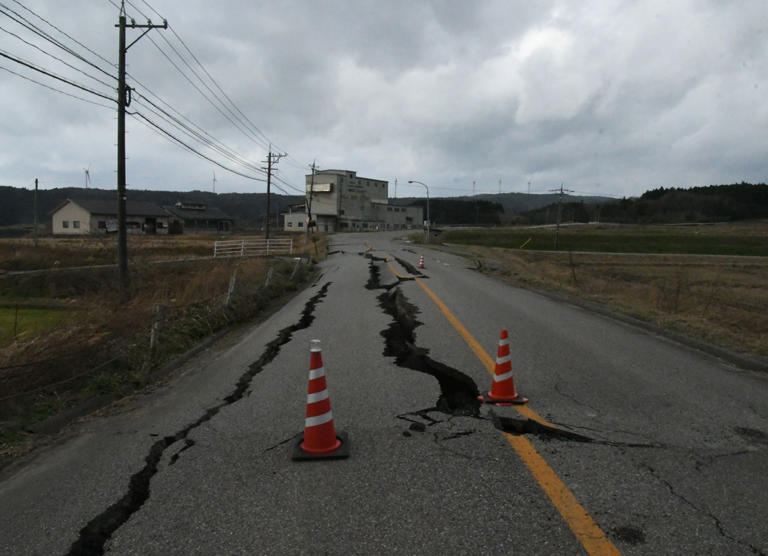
(34, 203)
(559, 210)
(123, 100)
(309, 202)
(272, 159)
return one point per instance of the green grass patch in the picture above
(636, 239)
(21, 322)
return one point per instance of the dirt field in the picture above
(722, 299)
(66, 337)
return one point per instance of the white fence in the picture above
(252, 247)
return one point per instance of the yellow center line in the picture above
(589, 534)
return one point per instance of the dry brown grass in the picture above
(723, 300)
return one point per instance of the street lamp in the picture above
(427, 188)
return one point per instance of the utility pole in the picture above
(34, 203)
(272, 159)
(499, 185)
(309, 202)
(559, 212)
(395, 188)
(214, 181)
(123, 100)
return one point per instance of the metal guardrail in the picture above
(252, 247)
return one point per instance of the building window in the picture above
(300, 224)
(65, 223)
(76, 224)
(290, 224)
(101, 225)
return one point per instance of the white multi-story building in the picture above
(340, 200)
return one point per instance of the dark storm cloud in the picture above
(608, 97)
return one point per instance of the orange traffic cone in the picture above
(503, 389)
(319, 440)
(421, 261)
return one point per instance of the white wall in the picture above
(71, 215)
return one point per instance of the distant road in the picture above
(643, 446)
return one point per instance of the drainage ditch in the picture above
(100, 529)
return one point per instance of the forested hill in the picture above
(248, 209)
(739, 201)
(714, 203)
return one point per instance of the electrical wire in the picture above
(32, 66)
(56, 58)
(55, 89)
(197, 136)
(243, 118)
(24, 22)
(173, 138)
(111, 64)
(235, 115)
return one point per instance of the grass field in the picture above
(722, 299)
(73, 330)
(717, 239)
(23, 322)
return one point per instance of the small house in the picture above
(89, 216)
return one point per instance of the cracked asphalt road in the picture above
(665, 447)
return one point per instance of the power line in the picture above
(240, 125)
(253, 126)
(24, 22)
(198, 88)
(220, 100)
(111, 64)
(55, 57)
(32, 66)
(55, 89)
(178, 141)
(216, 146)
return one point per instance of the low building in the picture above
(340, 200)
(196, 218)
(88, 216)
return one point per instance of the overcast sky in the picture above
(609, 98)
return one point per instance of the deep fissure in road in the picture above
(458, 392)
(409, 267)
(100, 529)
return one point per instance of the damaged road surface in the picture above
(663, 448)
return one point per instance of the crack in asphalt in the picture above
(713, 517)
(557, 387)
(188, 443)
(100, 529)
(410, 268)
(458, 392)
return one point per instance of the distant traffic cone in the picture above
(319, 440)
(421, 261)
(503, 389)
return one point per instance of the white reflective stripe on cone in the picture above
(318, 419)
(505, 359)
(500, 378)
(504, 342)
(316, 373)
(317, 396)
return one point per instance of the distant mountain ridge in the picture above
(711, 203)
